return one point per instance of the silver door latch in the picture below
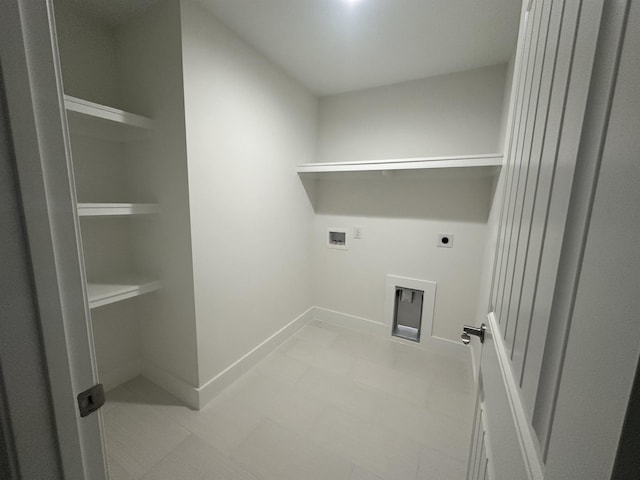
(477, 331)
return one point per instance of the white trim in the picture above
(198, 397)
(351, 321)
(116, 209)
(122, 289)
(172, 384)
(526, 436)
(112, 377)
(217, 384)
(33, 86)
(103, 112)
(442, 346)
(460, 161)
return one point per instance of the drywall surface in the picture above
(150, 59)
(88, 59)
(451, 114)
(401, 218)
(248, 125)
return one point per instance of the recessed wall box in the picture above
(337, 238)
(409, 307)
(407, 315)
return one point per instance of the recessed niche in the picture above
(409, 307)
(407, 313)
(337, 238)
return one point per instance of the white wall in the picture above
(150, 57)
(445, 115)
(248, 125)
(401, 216)
(400, 220)
(89, 62)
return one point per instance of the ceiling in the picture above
(334, 46)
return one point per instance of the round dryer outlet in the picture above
(445, 240)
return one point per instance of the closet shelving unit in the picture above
(116, 209)
(107, 123)
(103, 123)
(101, 294)
(476, 165)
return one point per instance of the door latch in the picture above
(91, 400)
(477, 331)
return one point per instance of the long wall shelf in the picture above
(483, 164)
(110, 292)
(100, 121)
(116, 209)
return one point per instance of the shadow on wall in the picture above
(401, 195)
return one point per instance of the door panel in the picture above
(32, 82)
(500, 431)
(529, 275)
(538, 179)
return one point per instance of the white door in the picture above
(564, 76)
(31, 83)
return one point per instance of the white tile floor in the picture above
(329, 404)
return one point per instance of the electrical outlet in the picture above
(445, 240)
(357, 233)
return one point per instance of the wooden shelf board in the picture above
(99, 121)
(105, 293)
(116, 209)
(484, 163)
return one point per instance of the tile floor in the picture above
(329, 404)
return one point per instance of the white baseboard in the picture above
(217, 384)
(440, 345)
(350, 321)
(172, 384)
(446, 346)
(113, 376)
(198, 397)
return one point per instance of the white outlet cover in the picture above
(357, 233)
(445, 240)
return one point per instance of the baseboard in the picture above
(446, 346)
(114, 376)
(172, 384)
(217, 384)
(440, 345)
(350, 321)
(197, 398)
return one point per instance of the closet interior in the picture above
(129, 191)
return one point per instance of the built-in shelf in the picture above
(484, 164)
(99, 121)
(116, 209)
(116, 291)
